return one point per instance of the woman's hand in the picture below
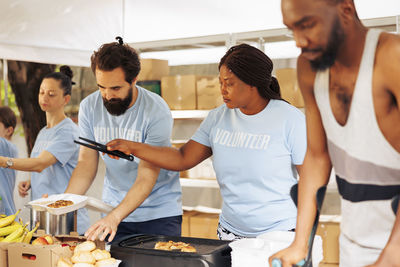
(103, 227)
(122, 145)
(23, 188)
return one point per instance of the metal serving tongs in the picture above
(307, 262)
(103, 148)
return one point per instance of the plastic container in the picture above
(41, 204)
(256, 251)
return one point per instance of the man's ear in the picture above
(134, 80)
(347, 10)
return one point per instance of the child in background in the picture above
(8, 122)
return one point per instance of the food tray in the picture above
(41, 203)
(138, 250)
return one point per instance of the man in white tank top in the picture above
(350, 81)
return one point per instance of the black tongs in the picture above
(103, 148)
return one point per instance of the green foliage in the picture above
(12, 104)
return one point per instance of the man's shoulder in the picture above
(388, 50)
(91, 98)
(152, 102)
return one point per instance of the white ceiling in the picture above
(67, 31)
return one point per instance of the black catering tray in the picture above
(138, 251)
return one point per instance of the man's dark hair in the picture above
(7, 117)
(253, 67)
(114, 55)
(64, 77)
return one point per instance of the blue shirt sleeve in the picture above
(62, 147)
(297, 138)
(202, 134)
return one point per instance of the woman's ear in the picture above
(67, 98)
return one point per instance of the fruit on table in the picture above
(49, 239)
(9, 219)
(4, 231)
(27, 239)
(13, 237)
(40, 241)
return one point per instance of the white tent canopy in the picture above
(68, 31)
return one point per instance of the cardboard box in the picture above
(20, 254)
(204, 225)
(153, 69)
(179, 91)
(290, 90)
(186, 222)
(329, 230)
(4, 254)
(208, 93)
(27, 255)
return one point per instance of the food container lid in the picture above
(41, 204)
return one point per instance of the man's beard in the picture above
(117, 106)
(328, 56)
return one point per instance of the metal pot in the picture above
(54, 224)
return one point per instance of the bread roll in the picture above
(83, 257)
(83, 265)
(106, 262)
(64, 262)
(85, 246)
(188, 249)
(99, 254)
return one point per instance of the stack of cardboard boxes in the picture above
(188, 92)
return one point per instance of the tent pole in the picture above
(5, 78)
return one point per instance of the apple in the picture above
(40, 241)
(49, 239)
(32, 257)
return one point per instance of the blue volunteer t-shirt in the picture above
(148, 121)
(59, 141)
(7, 176)
(254, 158)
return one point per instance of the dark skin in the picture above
(311, 22)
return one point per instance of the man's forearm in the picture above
(315, 173)
(81, 179)
(141, 189)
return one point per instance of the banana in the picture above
(14, 235)
(9, 219)
(9, 229)
(3, 215)
(28, 237)
(21, 238)
(13, 223)
(1, 238)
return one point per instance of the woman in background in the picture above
(54, 155)
(257, 141)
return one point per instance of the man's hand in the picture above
(389, 257)
(23, 188)
(103, 227)
(289, 256)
